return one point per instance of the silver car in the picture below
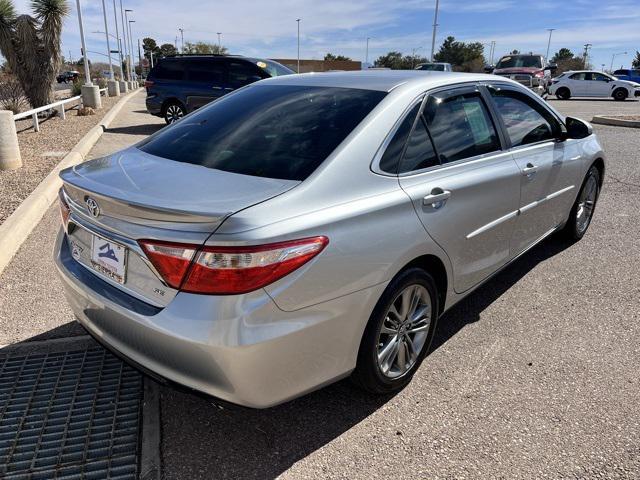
(310, 227)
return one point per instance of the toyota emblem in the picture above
(92, 206)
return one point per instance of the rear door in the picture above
(464, 187)
(207, 77)
(578, 85)
(547, 166)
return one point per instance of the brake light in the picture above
(148, 83)
(224, 270)
(65, 211)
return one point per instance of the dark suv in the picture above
(178, 85)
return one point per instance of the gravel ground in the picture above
(43, 150)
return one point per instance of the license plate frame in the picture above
(109, 258)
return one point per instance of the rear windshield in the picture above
(273, 131)
(533, 61)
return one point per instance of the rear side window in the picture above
(460, 126)
(206, 70)
(243, 73)
(169, 69)
(579, 76)
(621, 72)
(525, 120)
(419, 153)
(273, 131)
(391, 157)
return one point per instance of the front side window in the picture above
(274, 69)
(272, 131)
(600, 77)
(460, 126)
(526, 121)
(243, 73)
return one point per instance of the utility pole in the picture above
(115, 17)
(435, 25)
(550, 30)
(106, 31)
(87, 73)
(493, 50)
(298, 20)
(366, 56)
(126, 47)
(219, 42)
(181, 39)
(587, 46)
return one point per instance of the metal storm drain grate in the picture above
(69, 415)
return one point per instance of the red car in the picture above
(531, 70)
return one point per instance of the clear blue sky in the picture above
(268, 27)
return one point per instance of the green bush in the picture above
(75, 88)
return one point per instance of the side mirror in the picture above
(552, 67)
(577, 128)
(489, 68)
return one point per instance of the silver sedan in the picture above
(313, 227)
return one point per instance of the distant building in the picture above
(319, 65)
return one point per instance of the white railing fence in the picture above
(60, 104)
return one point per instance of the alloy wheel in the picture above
(174, 113)
(586, 204)
(404, 331)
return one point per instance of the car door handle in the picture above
(436, 198)
(216, 88)
(530, 169)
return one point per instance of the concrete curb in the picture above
(616, 122)
(17, 227)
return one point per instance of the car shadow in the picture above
(591, 99)
(200, 436)
(145, 129)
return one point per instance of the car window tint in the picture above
(273, 131)
(578, 76)
(206, 70)
(526, 121)
(419, 153)
(391, 156)
(460, 126)
(243, 73)
(600, 77)
(169, 69)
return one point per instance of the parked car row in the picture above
(587, 83)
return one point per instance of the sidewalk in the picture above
(31, 274)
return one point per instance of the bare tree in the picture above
(31, 46)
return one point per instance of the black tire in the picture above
(173, 111)
(563, 93)
(368, 373)
(575, 229)
(620, 94)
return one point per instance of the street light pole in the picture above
(115, 17)
(181, 39)
(219, 42)
(87, 73)
(298, 20)
(435, 25)
(366, 56)
(493, 50)
(106, 34)
(124, 40)
(613, 57)
(550, 30)
(133, 55)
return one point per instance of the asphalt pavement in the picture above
(535, 375)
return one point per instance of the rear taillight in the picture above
(229, 270)
(148, 83)
(65, 211)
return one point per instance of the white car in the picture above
(586, 83)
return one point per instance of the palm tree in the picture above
(31, 46)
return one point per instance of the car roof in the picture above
(382, 80)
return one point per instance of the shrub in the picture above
(102, 82)
(75, 88)
(12, 96)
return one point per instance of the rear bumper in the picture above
(241, 349)
(154, 105)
